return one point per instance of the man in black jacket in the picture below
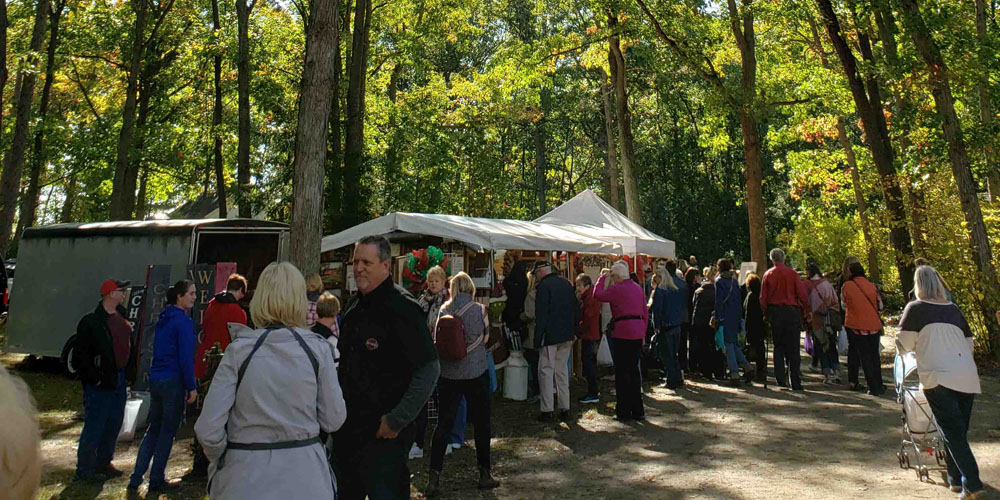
(101, 357)
(388, 369)
(555, 328)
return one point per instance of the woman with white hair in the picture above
(936, 330)
(628, 329)
(20, 456)
(275, 390)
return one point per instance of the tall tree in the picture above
(122, 202)
(744, 102)
(541, 149)
(29, 201)
(629, 168)
(3, 55)
(10, 181)
(611, 172)
(354, 204)
(243, 9)
(986, 114)
(310, 143)
(220, 175)
(944, 103)
(868, 103)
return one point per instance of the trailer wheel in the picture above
(67, 357)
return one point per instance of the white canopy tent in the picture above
(586, 213)
(480, 234)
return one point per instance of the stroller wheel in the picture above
(923, 474)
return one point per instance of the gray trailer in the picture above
(61, 267)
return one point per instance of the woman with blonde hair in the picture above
(275, 390)
(467, 377)
(935, 329)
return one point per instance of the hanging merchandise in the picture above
(419, 262)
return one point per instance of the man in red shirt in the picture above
(783, 299)
(223, 309)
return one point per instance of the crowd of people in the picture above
(335, 401)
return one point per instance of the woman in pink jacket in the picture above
(627, 329)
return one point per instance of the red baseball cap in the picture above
(111, 285)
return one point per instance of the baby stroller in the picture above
(920, 431)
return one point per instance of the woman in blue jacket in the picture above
(171, 384)
(728, 314)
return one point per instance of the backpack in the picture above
(449, 336)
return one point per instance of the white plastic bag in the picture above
(132, 406)
(842, 342)
(604, 353)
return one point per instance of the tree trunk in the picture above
(354, 204)
(29, 202)
(859, 197)
(541, 152)
(629, 167)
(334, 175)
(393, 172)
(746, 42)
(141, 203)
(147, 86)
(944, 103)
(3, 55)
(311, 135)
(121, 201)
(986, 115)
(10, 180)
(611, 174)
(243, 8)
(70, 201)
(878, 142)
(220, 175)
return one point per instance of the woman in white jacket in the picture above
(275, 390)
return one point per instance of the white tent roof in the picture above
(479, 233)
(588, 214)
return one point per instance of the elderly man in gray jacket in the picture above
(555, 321)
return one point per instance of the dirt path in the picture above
(705, 441)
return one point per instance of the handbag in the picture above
(809, 344)
(720, 339)
(604, 353)
(842, 346)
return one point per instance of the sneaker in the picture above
(828, 379)
(972, 495)
(416, 451)
(956, 488)
(590, 399)
(564, 416)
(448, 449)
(534, 399)
(545, 416)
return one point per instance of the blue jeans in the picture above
(165, 412)
(457, 433)
(952, 411)
(668, 338)
(589, 352)
(735, 357)
(103, 410)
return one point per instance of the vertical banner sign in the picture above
(203, 276)
(157, 283)
(134, 307)
(222, 272)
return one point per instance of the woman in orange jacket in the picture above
(862, 304)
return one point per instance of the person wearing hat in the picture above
(102, 355)
(555, 329)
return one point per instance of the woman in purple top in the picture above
(628, 329)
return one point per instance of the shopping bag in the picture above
(720, 339)
(842, 342)
(809, 344)
(604, 353)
